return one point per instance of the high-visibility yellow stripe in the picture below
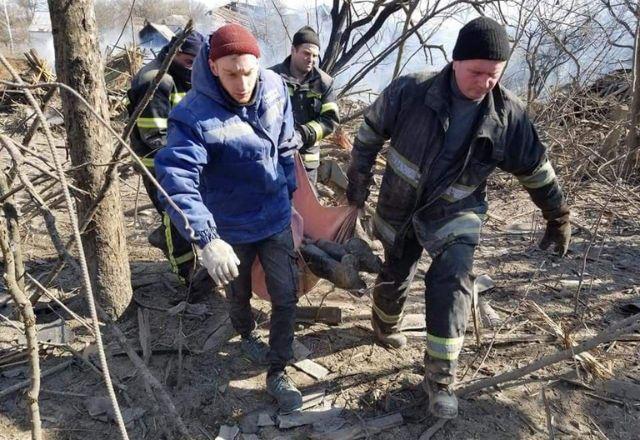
(457, 192)
(403, 167)
(384, 317)
(175, 98)
(147, 161)
(151, 123)
(184, 258)
(384, 229)
(317, 128)
(329, 107)
(465, 223)
(312, 94)
(311, 157)
(167, 236)
(444, 348)
(542, 176)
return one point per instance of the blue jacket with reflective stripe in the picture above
(229, 168)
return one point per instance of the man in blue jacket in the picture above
(228, 165)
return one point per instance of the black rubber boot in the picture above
(443, 402)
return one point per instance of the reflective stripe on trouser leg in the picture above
(392, 286)
(177, 255)
(448, 302)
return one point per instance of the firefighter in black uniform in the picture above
(311, 90)
(149, 135)
(447, 132)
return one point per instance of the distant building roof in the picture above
(225, 15)
(155, 35)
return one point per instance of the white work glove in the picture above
(220, 260)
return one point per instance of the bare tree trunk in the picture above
(634, 111)
(79, 65)
(29, 320)
(11, 216)
(8, 23)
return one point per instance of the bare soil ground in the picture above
(211, 389)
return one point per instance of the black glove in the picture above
(559, 233)
(306, 135)
(358, 188)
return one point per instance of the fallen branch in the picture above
(433, 429)
(25, 383)
(628, 325)
(593, 365)
(47, 214)
(151, 381)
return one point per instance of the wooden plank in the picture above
(313, 369)
(308, 417)
(326, 315)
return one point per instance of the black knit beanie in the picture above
(192, 44)
(306, 35)
(482, 39)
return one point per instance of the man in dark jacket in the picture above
(228, 165)
(311, 90)
(447, 133)
(149, 135)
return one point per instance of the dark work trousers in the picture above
(448, 295)
(177, 250)
(277, 257)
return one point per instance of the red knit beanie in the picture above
(232, 39)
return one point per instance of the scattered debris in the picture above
(57, 332)
(198, 309)
(310, 400)
(265, 419)
(312, 368)
(300, 351)
(307, 417)
(228, 432)
(363, 430)
(413, 322)
(621, 388)
(490, 317)
(483, 283)
(326, 315)
(219, 336)
(328, 426)
(630, 308)
(519, 228)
